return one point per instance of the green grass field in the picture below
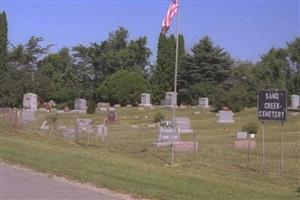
(129, 162)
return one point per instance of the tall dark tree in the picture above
(202, 70)
(3, 41)
(163, 76)
(97, 61)
(209, 63)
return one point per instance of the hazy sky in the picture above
(245, 28)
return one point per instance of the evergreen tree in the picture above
(3, 42)
(209, 63)
(163, 76)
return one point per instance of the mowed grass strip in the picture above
(140, 178)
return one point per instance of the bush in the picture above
(122, 87)
(251, 128)
(91, 107)
(158, 117)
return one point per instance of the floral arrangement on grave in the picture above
(168, 124)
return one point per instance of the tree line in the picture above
(118, 70)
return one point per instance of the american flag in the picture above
(172, 10)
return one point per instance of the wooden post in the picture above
(281, 148)
(263, 147)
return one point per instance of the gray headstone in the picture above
(102, 106)
(145, 100)
(184, 124)
(295, 101)
(83, 125)
(168, 134)
(80, 104)
(203, 103)
(111, 116)
(170, 99)
(225, 116)
(241, 136)
(30, 102)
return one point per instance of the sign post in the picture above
(272, 106)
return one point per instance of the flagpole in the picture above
(176, 64)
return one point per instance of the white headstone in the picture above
(170, 98)
(184, 124)
(225, 116)
(203, 103)
(241, 136)
(145, 100)
(30, 102)
(80, 105)
(295, 101)
(102, 106)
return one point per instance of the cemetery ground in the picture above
(128, 162)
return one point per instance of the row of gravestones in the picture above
(169, 133)
(82, 127)
(30, 102)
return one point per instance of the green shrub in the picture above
(158, 117)
(251, 128)
(123, 87)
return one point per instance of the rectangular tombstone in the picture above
(244, 144)
(111, 116)
(145, 100)
(184, 124)
(102, 106)
(28, 116)
(170, 99)
(186, 147)
(30, 102)
(241, 136)
(167, 135)
(203, 103)
(80, 104)
(225, 116)
(295, 101)
(83, 126)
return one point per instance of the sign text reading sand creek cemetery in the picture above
(272, 105)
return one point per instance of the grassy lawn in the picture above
(128, 162)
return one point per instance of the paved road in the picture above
(17, 183)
